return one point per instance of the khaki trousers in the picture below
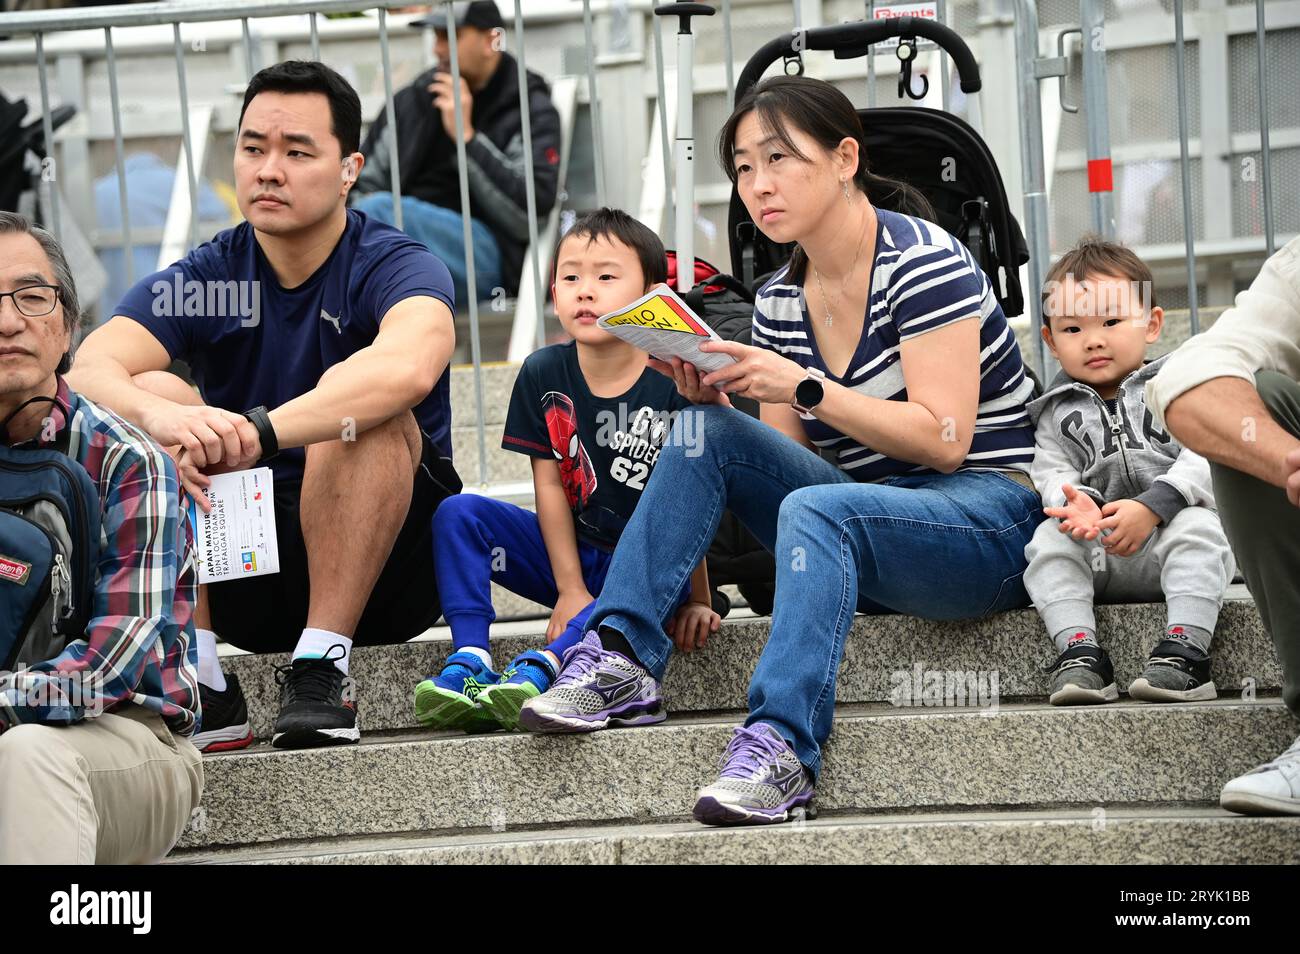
(117, 789)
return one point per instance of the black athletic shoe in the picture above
(1082, 675)
(224, 726)
(313, 709)
(1176, 672)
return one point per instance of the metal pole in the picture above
(726, 51)
(119, 150)
(663, 110)
(1266, 160)
(467, 227)
(685, 159)
(597, 143)
(871, 60)
(530, 189)
(1185, 167)
(187, 139)
(1092, 18)
(798, 15)
(390, 126)
(1033, 171)
(47, 127)
(249, 66)
(315, 38)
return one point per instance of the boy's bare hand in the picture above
(569, 605)
(687, 379)
(1129, 523)
(1080, 517)
(691, 625)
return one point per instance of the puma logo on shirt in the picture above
(326, 316)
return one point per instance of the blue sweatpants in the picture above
(478, 541)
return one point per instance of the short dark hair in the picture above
(1095, 255)
(617, 226)
(304, 76)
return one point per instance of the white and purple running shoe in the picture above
(762, 782)
(596, 688)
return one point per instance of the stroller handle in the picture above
(849, 40)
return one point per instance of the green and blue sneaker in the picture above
(529, 674)
(449, 700)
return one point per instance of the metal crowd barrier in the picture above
(1032, 68)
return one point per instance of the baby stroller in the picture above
(972, 205)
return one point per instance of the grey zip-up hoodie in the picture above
(1123, 456)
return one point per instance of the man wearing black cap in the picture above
(494, 152)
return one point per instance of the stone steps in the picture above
(881, 657)
(879, 759)
(1100, 835)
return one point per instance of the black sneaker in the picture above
(313, 709)
(224, 725)
(1082, 675)
(1175, 672)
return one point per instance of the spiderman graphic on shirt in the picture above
(577, 474)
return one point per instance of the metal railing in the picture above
(1031, 66)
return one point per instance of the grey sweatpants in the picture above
(1187, 563)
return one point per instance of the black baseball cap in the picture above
(482, 14)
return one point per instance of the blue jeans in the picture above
(943, 546)
(441, 230)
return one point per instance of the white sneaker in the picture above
(1271, 789)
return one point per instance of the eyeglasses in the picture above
(34, 301)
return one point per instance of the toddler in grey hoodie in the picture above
(1132, 510)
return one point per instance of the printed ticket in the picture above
(236, 538)
(662, 324)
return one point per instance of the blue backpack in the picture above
(49, 550)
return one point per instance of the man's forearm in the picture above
(104, 381)
(369, 388)
(1225, 421)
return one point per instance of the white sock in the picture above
(482, 654)
(316, 644)
(210, 673)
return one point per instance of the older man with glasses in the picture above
(105, 773)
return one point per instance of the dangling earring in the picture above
(845, 183)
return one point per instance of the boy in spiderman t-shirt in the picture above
(593, 416)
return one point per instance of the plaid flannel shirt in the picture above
(140, 646)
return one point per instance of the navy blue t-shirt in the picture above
(261, 344)
(606, 447)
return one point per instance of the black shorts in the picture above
(266, 614)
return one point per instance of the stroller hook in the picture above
(906, 53)
(794, 65)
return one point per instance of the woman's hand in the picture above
(758, 374)
(687, 378)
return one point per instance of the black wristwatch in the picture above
(809, 392)
(261, 420)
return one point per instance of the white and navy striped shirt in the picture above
(922, 280)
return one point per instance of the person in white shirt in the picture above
(1232, 395)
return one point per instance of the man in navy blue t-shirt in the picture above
(319, 340)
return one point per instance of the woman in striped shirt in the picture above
(888, 472)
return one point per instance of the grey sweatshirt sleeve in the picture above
(1187, 483)
(1052, 468)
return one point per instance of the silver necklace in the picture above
(826, 305)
